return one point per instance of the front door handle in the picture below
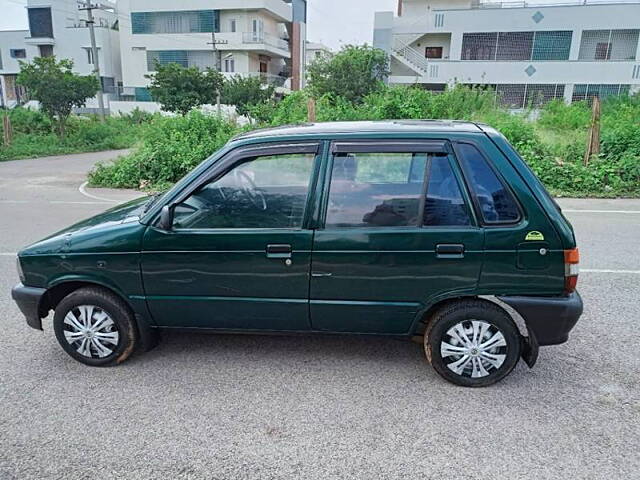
(279, 251)
(450, 250)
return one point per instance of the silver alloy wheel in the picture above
(91, 331)
(473, 348)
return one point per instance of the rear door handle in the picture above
(450, 250)
(279, 251)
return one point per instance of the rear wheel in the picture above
(95, 327)
(472, 343)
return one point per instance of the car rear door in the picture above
(396, 233)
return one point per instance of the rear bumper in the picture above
(28, 300)
(550, 319)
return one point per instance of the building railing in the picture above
(266, 78)
(265, 38)
(567, 3)
(410, 54)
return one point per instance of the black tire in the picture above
(463, 313)
(116, 309)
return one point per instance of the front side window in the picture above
(495, 201)
(376, 189)
(261, 192)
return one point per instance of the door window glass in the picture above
(376, 189)
(264, 192)
(445, 205)
(496, 203)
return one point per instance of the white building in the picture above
(58, 27)
(262, 38)
(316, 50)
(528, 52)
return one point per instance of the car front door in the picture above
(398, 234)
(238, 253)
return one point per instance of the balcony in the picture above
(265, 39)
(266, 78)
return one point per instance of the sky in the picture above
(332, 22)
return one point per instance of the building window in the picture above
(518, 96)
(479, 46)
(514, 46)
(232, 25)
(186, 58)
(552, 45)
(433, 52)
(142, 95)
(587, 92)
(108, 84)
(18, 53)
(603, 45)
(45, 50)
(257, 29)
(229, 65)
(517, 46)
(40, 25)
(186, 21)
(90, 55)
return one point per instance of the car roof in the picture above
(383, 126)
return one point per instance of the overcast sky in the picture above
(332, 22)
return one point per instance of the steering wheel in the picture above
(249, 188)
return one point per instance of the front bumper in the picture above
(28, 300)
(549, 319)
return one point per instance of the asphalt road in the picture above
(223, 407)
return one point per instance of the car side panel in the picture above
(514, 265)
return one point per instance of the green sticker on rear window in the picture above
(534, 236)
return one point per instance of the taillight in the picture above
(571, 269)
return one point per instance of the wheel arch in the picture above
(64, 287)
(425, 315)
(530, 343)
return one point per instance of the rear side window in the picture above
(495, 201)
(445, 205)
(376, 189)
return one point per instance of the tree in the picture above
(56, 87)
(246, 93)
(352, 73)
(180, 89)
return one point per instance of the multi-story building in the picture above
(530, 53)
(263, 38)
(58, 27)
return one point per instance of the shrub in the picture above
(169, 149)
(553, 145)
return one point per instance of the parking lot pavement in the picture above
(231, 406)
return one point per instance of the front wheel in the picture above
(95, 327)
(472, 343)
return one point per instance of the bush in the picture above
(553, 145)
(169, 149)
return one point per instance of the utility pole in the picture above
(94, 52)
(217, 62)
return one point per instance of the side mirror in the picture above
(165, 221)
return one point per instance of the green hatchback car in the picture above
(432, 229)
